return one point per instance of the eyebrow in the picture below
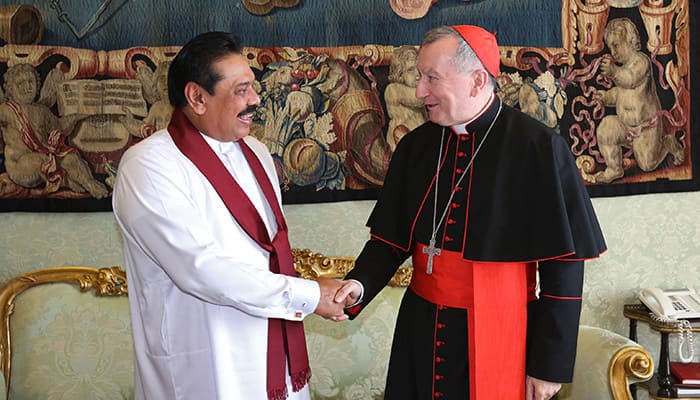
(243, 84)
(429, 71)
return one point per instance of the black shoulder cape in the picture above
(527, 199)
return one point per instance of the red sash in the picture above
(285, 339)
(495, 296)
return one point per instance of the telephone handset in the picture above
(674, 305)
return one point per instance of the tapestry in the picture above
(618, 89)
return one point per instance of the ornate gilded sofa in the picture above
(66, 335)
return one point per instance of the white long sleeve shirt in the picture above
(200, 289)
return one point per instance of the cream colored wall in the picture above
(653, 240)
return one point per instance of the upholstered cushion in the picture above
(349, 359)
(69, 345)
(597, 351)
(3, 392)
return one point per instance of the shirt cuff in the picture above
(306, 295)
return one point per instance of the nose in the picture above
(421, 91)
(254, 99)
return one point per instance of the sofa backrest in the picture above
(66, 334)
(349, 360)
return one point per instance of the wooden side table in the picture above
(639, 312)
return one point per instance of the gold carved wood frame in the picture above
(104, 282)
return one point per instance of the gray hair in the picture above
(465, 59)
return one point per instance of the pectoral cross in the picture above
(431, 251)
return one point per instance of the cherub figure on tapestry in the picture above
(637, 124)
(37, 159)
(406, 111)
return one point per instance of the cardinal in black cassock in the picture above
(498, 223)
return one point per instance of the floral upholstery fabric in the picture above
(68, 345)
(349, 359)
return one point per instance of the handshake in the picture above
(335, 296)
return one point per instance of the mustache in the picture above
(248, 110)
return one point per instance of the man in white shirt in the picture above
(216, 309)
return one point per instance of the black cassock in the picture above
(522, 200)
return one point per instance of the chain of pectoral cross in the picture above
(432, 249)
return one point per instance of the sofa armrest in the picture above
(606, 364)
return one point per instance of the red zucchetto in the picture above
(484, 45)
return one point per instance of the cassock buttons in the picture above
(459, 171)
(298, 314)
(464, 138)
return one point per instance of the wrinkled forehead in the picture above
(437, 55)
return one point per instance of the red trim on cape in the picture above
(561, 297)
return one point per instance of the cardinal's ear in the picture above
(481, 79)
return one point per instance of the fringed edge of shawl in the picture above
(300, 379)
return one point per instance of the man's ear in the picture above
(196, 98)
(481, 79)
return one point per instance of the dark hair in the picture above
(193, 63)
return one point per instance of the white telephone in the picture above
(674, 305)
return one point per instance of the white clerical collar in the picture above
(220, 147)
(461, 129)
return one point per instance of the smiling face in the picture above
(450, 95)
(227, 113)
